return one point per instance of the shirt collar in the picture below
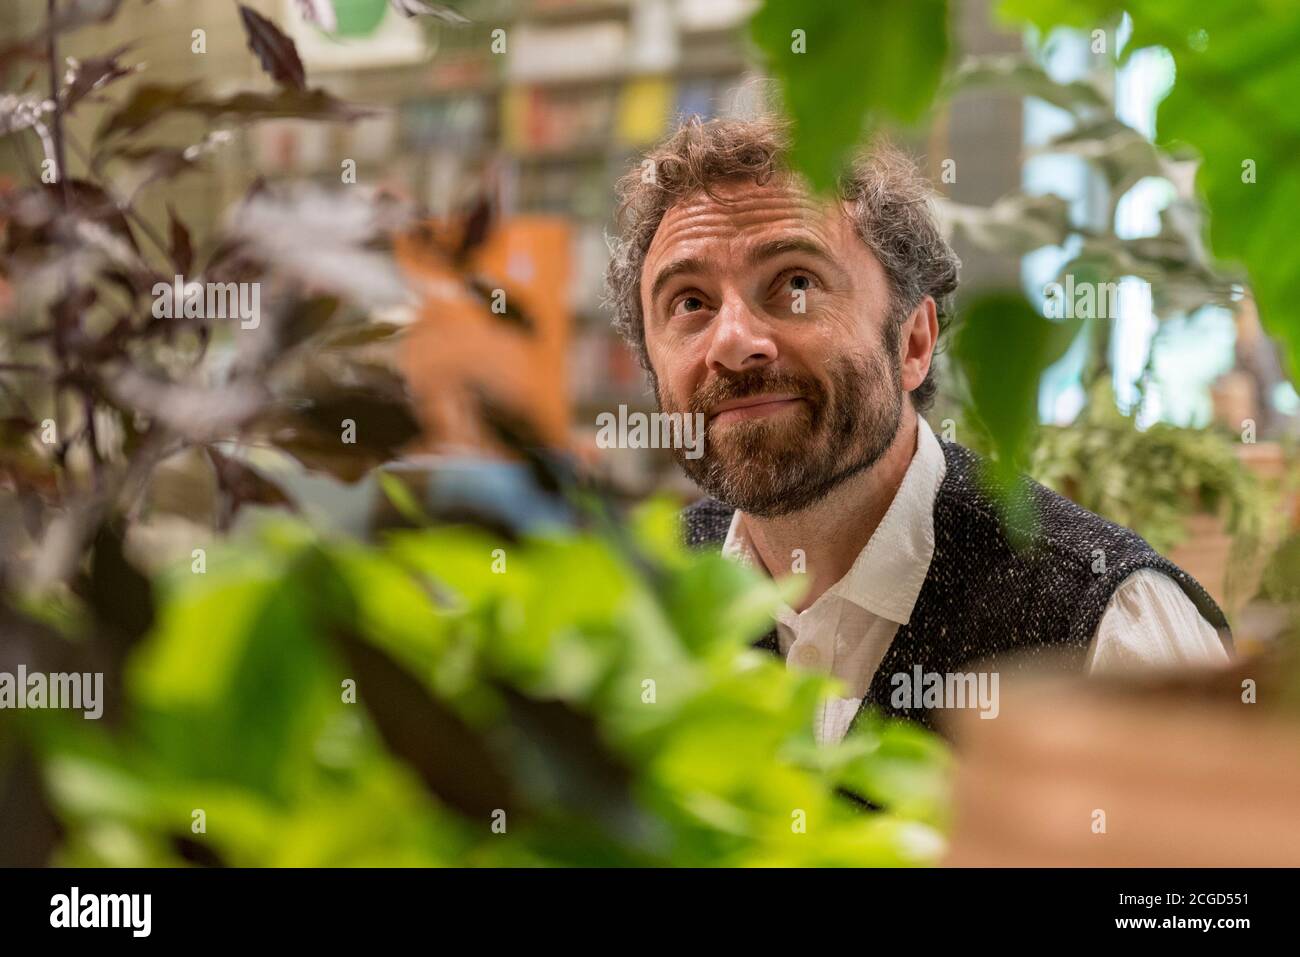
(887, 575)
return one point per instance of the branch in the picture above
(52, 54)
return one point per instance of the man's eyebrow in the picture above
(777, 247)
(761, 252)
(672, 271)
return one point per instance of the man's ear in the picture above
(918, 337)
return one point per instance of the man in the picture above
(805, 330)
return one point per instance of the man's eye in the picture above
(794, 284)
(688, 304)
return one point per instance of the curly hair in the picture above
(890, 202)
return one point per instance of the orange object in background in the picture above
(457, 345)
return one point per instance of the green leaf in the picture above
(860, 63)
(616, 713)
(450, 757)
(1002, 346)
(898, 766)
(402, 498)
(1018, 72)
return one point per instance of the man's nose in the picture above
(740, 339)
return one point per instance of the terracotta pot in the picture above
(1206, 553)
(1173, 772)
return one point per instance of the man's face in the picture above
(765, 311)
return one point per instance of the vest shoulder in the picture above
(1093, 551)
(1037, 517)
(705, 522)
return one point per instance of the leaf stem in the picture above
(52, 54)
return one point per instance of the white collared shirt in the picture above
(1149, 621)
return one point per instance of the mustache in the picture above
(741, 385)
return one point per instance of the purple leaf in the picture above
(93, 74)
(245, 485)
(278, 55)
(423, 8)
(319, 12)
(182, 250)
(150, 102)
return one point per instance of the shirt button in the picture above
(808, 656)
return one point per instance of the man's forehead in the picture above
(744, 212)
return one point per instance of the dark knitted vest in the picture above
(986, 600)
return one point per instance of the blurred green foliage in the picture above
(1000, 346)
(866, 64)
(604, 697)
(1150, 480)
(1238, 67)
(845, 67)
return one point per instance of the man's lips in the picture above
(752, 407)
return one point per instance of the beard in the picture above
(780, 464)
